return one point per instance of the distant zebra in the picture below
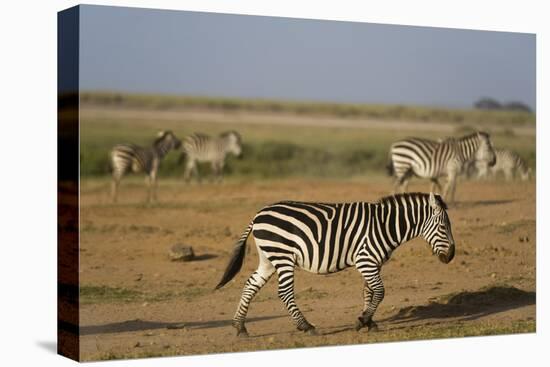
(433, 159)
(326, 238)
(204, 148)
(125, 157)
(509, 162)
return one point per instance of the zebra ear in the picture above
(433, 202)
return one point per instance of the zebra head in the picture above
(233, 142)
(437, 230)
(485, 151)
(166, 140)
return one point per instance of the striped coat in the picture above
(434, 159)
(325, 238)
(134, 158)
(508, 162)
(204, 148)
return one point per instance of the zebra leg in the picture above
(149, 182)
(435, 184)
(190, 167)
(402, 181)
(373, 292)
(286, 294)
(155, 186)
(220, 171)
(450, 187)
(508, 175)
(367, 296)
(114, 188)
(215, 172)
(252, 286)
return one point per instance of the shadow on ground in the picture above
(464, 306)
(472, 204)
(142, 325)
(467, 305)
(48, 345)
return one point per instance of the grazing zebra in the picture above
(510, 163)
(326, 238)
(126, 157)
(433, 159)
(204, 148)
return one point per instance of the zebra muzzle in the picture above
(448, 257)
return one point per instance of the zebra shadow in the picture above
(467, 305)
(475, 203)
(144, 325)
(463, 306)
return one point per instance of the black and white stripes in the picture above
(130, 157)
(326, 238)
(204, 148)
(508, 162)
(433, 159)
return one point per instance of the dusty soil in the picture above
(136, 302)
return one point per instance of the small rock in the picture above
(137, 345)
(493, 275)
(139, 277)
(179, 252)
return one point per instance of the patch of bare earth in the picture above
(136, 302)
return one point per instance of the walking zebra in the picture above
(126, 157)
(326, 238)
(204, 148)
(510, 163)
(433, 159)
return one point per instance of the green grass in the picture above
(90, 294)
(104, 294)
(270, 151)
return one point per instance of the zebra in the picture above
(326, 238)
(509, 162)
(432, 159)
(200, 147)
(125, 157)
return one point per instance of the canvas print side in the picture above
(68, 340)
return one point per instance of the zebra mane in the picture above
(475, 134)
(391, 198)
(231, 132)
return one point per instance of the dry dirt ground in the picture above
(136, 302)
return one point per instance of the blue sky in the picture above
(208, 54)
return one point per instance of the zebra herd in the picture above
(325, 238)
(196, 148)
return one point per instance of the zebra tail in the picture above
(237, 258)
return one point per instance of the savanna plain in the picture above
(136, 302)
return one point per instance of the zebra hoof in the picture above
(372, 327)
(359, 325)
(307, 328)
(243, 333)
(241, 329)
(312, 332)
